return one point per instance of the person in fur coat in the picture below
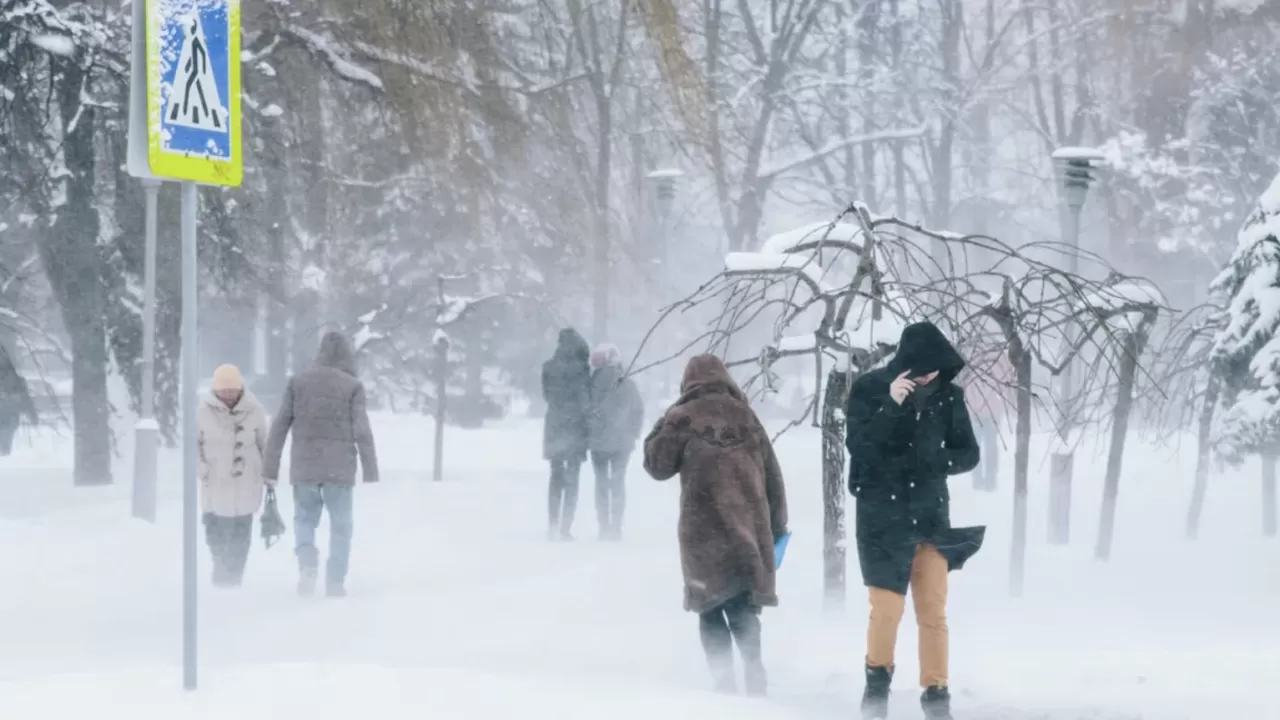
(733, 509)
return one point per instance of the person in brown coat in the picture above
(733, 508)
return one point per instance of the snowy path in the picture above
(458, 604)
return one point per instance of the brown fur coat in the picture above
(733, 504)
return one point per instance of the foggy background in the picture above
(489, 171)
(503, 152)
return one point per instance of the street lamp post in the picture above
(1076, 169)
(664, 185)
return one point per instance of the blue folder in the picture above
(780, 549)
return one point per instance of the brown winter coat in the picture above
(733, 504)
(325, 409)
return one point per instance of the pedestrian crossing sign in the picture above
(193, 90)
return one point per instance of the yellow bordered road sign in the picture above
(193, 90)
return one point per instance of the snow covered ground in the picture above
(459, 608)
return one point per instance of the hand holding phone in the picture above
(901, 388)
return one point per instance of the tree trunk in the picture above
(899, 146)
(1132, 350)
(943, 151)
(279, 299)
(600, 80)
(307, 327)
(1021, 361)
(168, 318)
(868, 59)
(74, 266)
(1269, 494)
(1203, 435)
(834, 545)
(601, 242)
(277, 340)
(90, 406)
(843, 98)
(755, 189)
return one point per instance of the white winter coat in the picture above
(231, 445)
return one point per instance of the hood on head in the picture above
(336, 351)
(572, 346)
(923, 349)
(605, 354)
(706, 371)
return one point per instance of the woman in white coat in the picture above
(233, 433)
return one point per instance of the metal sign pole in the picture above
(147, 430)
(190, 448)
(191, 135)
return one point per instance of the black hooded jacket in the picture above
(900, 457)
(566, 386)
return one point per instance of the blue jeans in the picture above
(309, 502)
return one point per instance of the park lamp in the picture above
(664, 183)
(1078, 168)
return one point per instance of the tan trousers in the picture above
(929, 594)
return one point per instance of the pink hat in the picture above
(605, 354)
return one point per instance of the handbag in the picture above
(780, 549)
(272, 523)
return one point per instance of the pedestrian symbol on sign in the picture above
(193, 97)
(192, 50)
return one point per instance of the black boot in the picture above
(875, 697)
(936, 702)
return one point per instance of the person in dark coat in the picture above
(326, 409)
(733, 508)
(908, 430)
(566, 388)
(616, 423)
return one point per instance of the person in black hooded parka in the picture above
(908, 430)
(566, 387)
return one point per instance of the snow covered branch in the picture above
(336, 58)
(835, 146)
(845, 289)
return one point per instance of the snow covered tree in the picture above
(56, 63)
(841, 293)
(1246, 351)
(1183, 390)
